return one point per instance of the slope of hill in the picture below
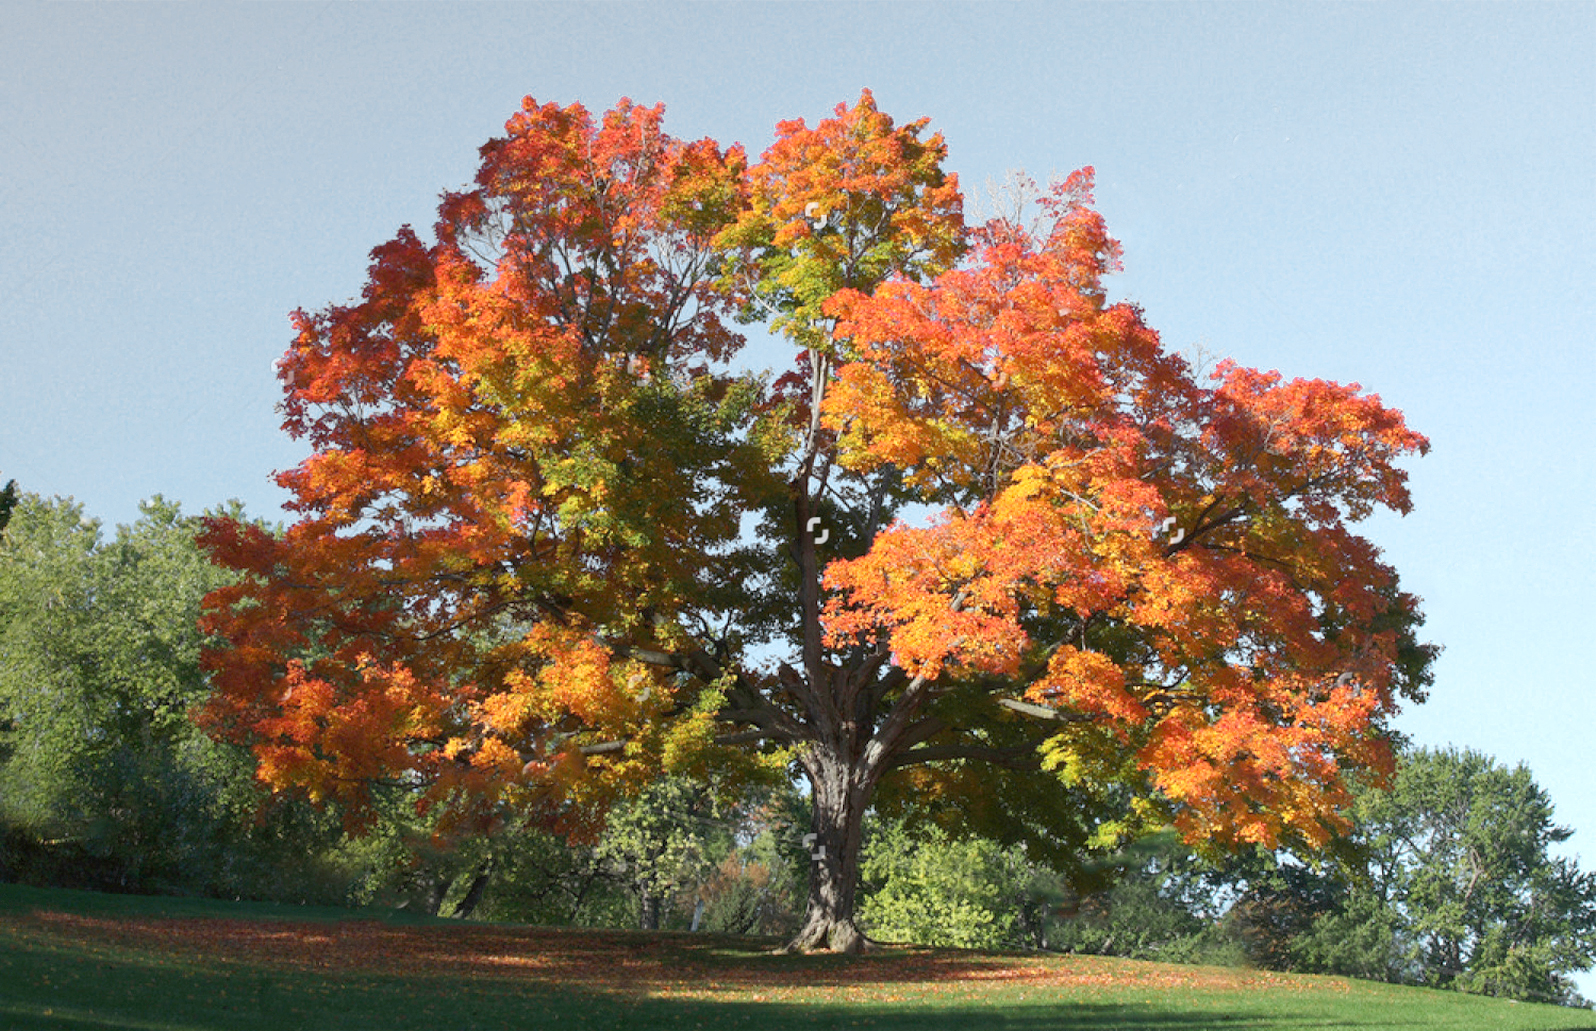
(81, 960)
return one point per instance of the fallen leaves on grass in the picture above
(673, 965)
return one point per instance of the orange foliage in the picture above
(521, 518)
(1064, 438)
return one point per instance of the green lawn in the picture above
(81, 960)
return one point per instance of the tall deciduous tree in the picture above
(549, 542)
(660, 844)
(1461, 889)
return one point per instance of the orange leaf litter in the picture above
(618, 962)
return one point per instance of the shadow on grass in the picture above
(57, 990)
(58, 983)
(622, 962)
(69, 960)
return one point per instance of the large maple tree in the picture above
(551, 540)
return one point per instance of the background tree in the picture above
(104, 780)
(1165, 902)
(1276, 899)
(662, 844)
(549, 544)
(677, 856)
(1461, 889)
(761, 887)
(8, 501)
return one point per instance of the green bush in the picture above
(925, 887)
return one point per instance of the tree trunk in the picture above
(473, 895)
(840, 799)
(433, 889)
(849, 744)
(648, 911)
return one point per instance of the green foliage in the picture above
(675, 856)
(923, 886)
(1064, 827)
(1460, 889)
(1277, 909)
(1358, 939)
(1164, 904)
(662, 842)
(541, 879)
(8, 501)
(104, 781)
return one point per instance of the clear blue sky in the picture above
(1396, 195)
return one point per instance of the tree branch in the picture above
(1019, 757)
(1042, 711)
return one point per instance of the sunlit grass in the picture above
(80, 960)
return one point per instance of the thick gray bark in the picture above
(840, 798)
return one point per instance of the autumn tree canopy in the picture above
(550, 539)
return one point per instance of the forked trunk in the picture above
(839, 801)
(846, 752)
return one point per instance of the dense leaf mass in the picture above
(550, 541)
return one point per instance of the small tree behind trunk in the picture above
(648, 911)
(473, 896)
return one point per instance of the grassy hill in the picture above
(82, 960)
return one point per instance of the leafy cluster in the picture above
(1449, 880)
(1460, 887)
(551, 542)
(105, 782)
